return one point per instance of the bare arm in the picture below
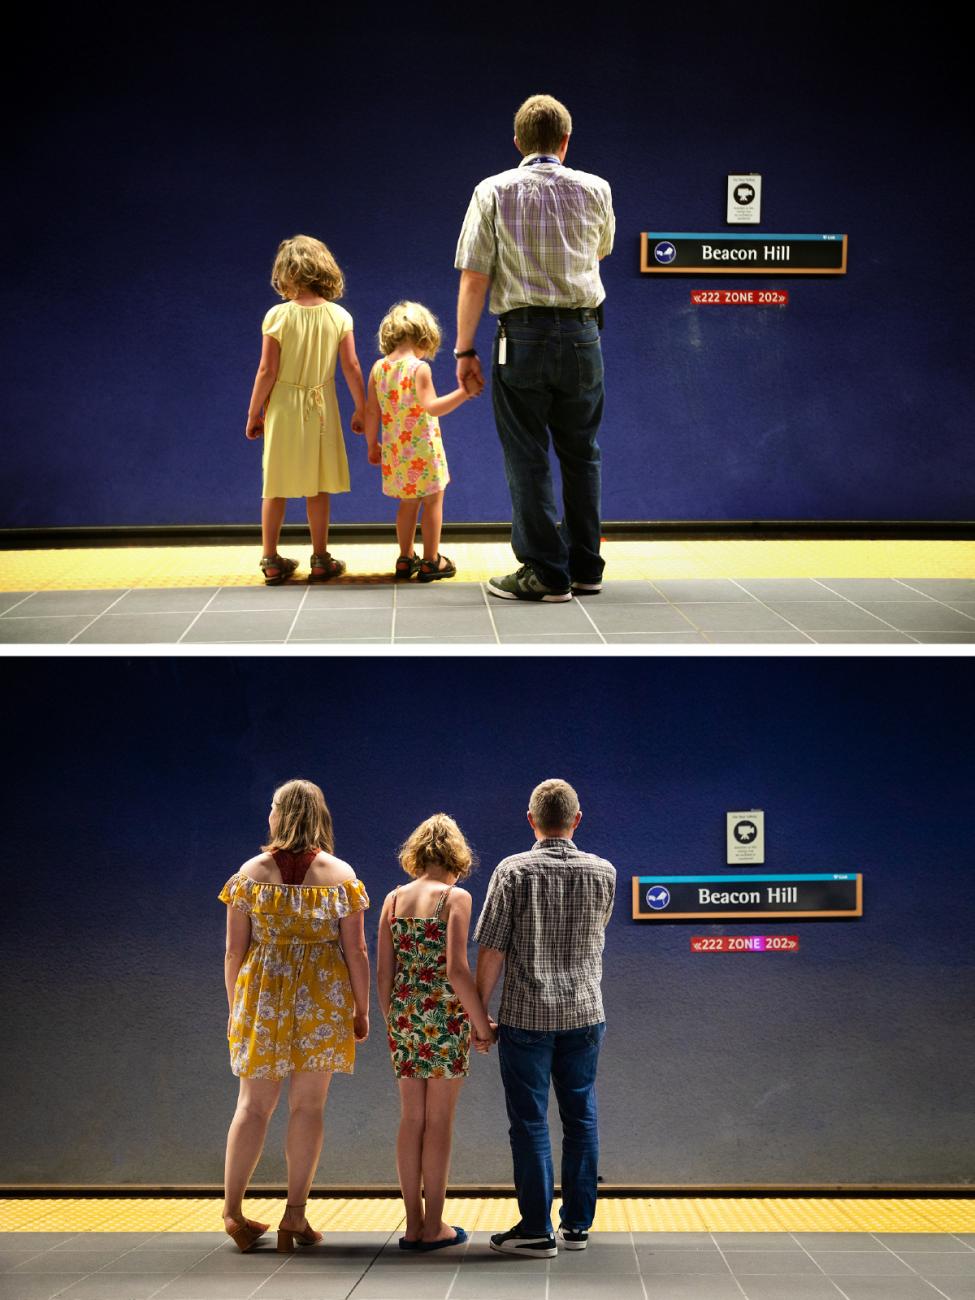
(385, 960)
(238, 941)
(490, 963)
(353, 377)
(426, 394)
(470, 304)
(352, 936)
(458, 970)
(264, 381)
(372, 423)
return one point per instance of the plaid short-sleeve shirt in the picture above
(538, 231)
(547, 911)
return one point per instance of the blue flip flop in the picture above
(409, 1245)
(459, 1240)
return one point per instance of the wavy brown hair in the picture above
(305, 263)
(437, 842)
(304, 821)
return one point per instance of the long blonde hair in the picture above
(304, 821)
(305, 263)
(437, 842)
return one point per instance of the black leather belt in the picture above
(564, 313)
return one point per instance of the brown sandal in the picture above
(277, 569)
(324, 567)
(306, 1236)
(247, 1235)
(430, 570)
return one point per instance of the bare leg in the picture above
(303, 1144)
(438, 1131)
(245, 1141)
(318, 515)
(409, 1147)
(406, 525)
(272, 517)
(431, 525)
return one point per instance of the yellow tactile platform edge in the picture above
(613, 1214)
(123, 568)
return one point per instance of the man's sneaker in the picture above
(515, 1242)
(524, 585)
(572, 1239)
(586, 588)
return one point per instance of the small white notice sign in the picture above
(744, 200)
(746, 837)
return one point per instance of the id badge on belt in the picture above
(502, 346)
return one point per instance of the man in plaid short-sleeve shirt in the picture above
(535, 235)
(543, 923)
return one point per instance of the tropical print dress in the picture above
(414, 463)
(429, 1031)
(292, 1005)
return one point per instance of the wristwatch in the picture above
(468, 352)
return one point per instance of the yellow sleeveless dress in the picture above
(292, 1006)
(304, 450)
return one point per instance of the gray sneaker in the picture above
(524, 585)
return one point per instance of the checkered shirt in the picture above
(538, 231)
(547, 911)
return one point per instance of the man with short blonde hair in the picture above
(535, 234)
(543, 924)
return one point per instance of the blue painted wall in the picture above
(140, 786)
(166, 154)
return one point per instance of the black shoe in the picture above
(587, 588)
(573, 1239)
(524, 585)
(515, 1242)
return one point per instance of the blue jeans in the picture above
(529, 1061)
(552, 381)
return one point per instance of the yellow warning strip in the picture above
(613, 1214)
(118, 568)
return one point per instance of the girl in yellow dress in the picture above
(403, 405)
(304, 452)
(297, 975)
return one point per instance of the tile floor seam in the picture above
(26, 596)
(692, 625)
(99, 615)
(935, 599)
(592, 621)
(959, 1240)
(639, 1270)
(910, 1266)
(301, 606)
(731, 1271)
(170, 1280)
(487, 606)
(392, 625)
(199, 614)
(819, 582)
(832, 1280)
(795, 627)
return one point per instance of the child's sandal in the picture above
(277, 569)
(406, 566)
(324, 567)
(430, 570)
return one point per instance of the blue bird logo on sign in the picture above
(664, 252)
(658, 897)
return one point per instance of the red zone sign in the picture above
(740, 297)
(745, 943)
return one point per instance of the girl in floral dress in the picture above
(428, 996)
(403, 403)
(297, 976)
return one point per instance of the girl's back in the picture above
(309, 339)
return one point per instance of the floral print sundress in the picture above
(414, 463)
(429, 1030)
(292, 1005)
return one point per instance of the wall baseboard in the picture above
(499, 531)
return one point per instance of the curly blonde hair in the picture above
(409, 321)
(305, 263)
(304, 821)
(437, 842)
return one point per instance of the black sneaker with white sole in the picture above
(524, 585)
(516, 1242)
(586, 588)
(573, 1239)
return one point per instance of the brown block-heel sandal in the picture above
(306, 1236)
(246, 1235)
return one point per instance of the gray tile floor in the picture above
(369, 1266)
(770, 611)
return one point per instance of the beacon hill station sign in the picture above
(733, 897)
(736, 254)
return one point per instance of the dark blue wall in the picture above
(165, 154)
(139, 786)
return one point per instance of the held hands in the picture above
(360, 1026)
(484, 1045)
(470, 376)
(358, 421)
(255, 427)
(375, 454)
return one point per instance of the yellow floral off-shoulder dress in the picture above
(292, 1007)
